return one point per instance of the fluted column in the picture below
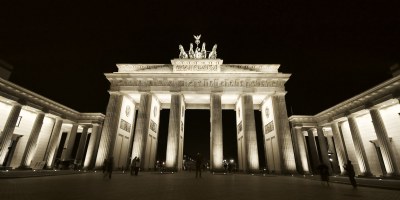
(174, 132)
(109, 132)
(54, 142)
(142, 126)
(81, 147)
(331, 149)
(384, 143)
(340, 151)
(359, 147)
(216, 145)
(249, 132)
(302, 150)
(323, 147)
(297, 130)
(90, 157)
(70, 143)
(8, 130)
(287, 160)
(313, 150)
(32, 141)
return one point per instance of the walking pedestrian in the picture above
(105, 165)
(132, 166)
(110, 166)
(324, 173)
(351, 173)
(137, 165)
(199, 160)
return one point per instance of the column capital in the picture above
(216, 93)
(370, 106)
(297, 126)
(114, 92)
(279, 94)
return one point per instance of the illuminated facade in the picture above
(196, 80)
(364, 129)
(38, 133)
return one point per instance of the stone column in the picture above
(388, 156)
(295, 131)
(216, 145)
(302, 150)
(70, 143)
(287, 160)
(81, 147)
(340, 151)
(313, 150)
(54, 142)
(249, 132)
(109, 131)
(32, 141)
(174, 132)
(90, 157)
(142, 126)
(323, 147)
(334, 161)
(8, 130)
(359, 147)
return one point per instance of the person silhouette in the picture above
(199, 160)
(351, 173)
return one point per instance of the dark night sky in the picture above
(334, 50)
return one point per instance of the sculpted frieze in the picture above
(199, 83)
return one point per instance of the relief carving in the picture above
(199, 83)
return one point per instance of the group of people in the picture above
(135, 165)
(108, 166)
(323, 170)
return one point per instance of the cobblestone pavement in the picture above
(181, 186)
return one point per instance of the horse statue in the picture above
(203, 51)
(213, 53)
(191, 52)
(182, 54)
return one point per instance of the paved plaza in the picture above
(182, 185)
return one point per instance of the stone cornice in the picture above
(198, 66)
(361, 101)
(40, 102)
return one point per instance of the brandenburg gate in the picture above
(198, 79)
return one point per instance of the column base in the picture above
(366, 174)
(5, 168)
(23, 168)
